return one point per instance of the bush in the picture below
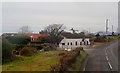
(66, 60)
(51, 39)
(48, 47)
(21, 39)
(27, 51)
(102, 38)
(6, 50)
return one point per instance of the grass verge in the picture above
(76, 66)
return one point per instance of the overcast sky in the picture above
(79, 15)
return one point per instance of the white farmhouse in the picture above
(70, 43)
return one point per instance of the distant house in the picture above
(34, 37)
(71, 43)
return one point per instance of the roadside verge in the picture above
(84, 63)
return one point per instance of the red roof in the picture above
(37, 35)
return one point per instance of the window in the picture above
(83, 39)
(68, 43)
(84, 42)
(80, 43)
(71, 43)
(87, 42)
(76, 42)
(63, 43)
(32, 39)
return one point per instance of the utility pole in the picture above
(106, 26)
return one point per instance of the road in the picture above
(103, 58)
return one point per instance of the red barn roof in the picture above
(37, 35)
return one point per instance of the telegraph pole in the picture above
(106, 26)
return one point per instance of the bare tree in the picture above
(25, 30)
(54, 32)
(54, 29)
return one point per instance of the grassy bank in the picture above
(41, 61)
(76, 66)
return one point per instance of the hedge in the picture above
(66, 60)
(7, 50)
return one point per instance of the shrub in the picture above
(61, 54)
(21, 39)
(27, 51)
(32, 49)
(66, 60)
(51, 39)
(18, 39)
(48, 47)
(39, 47)
(6, 50)
(101, 38)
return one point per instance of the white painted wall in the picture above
(73, 41)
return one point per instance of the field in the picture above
(38, 62)
(113, 37)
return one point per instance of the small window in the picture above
(76, 42)
(68, 43)
(83, 39)
(32, 39)
(71, 43)
(63, 43)
(87, 42)
(80, 43)
(84, 43)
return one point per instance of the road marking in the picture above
(106, 51)
(106, 54)
(110, 65)
(108, 59)
(84, 69)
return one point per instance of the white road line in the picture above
(108, 59)
(106, 51)
(84, 69)
(106, 54)
(110, 65)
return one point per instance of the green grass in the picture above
(96, 45)
(99, 44)
(77, 64)
(40, 61)
(113, 37)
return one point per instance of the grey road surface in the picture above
(103, 58)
